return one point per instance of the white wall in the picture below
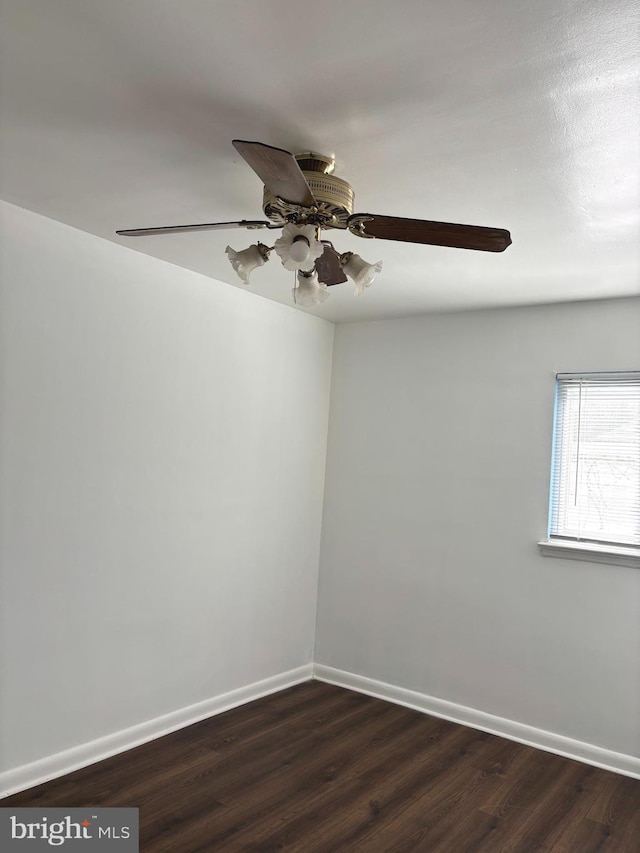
(163, 444)
(436, 494)
(162, 448)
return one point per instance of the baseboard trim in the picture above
(28, 775)
(53, 766)
(617, 762)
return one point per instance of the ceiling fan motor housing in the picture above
(335, 197)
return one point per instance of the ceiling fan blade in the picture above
(328, 267)
(432, 233)
(207, 226)
(278, 170)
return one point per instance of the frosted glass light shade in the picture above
(247, 260)
(309, 290)
(360, 271)
(292, 252)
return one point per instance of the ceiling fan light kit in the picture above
(359, 270)
(246, 261)
(298, 247)
(303, 197)
(309, 291)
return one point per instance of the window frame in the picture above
(583, 549)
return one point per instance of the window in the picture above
(594, 506)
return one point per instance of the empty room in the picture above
(319, 426)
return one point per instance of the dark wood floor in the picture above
(317, 768)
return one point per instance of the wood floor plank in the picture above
(333, 773)
(444, 812)
(613, 799)
(552, 804)
(319, 769)
(409, 782)
(333, 809)
(288, 769)
(617, 811)
(589, 836)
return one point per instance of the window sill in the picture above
(613, 555)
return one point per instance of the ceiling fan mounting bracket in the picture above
(320, 164)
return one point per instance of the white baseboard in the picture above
(28, 775)
(628, 765)
(53, 766)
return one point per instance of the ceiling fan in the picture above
(303, 197)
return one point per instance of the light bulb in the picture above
(299, 251)
(298, 247)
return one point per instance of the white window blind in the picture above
(595, 476)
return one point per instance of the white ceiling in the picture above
(507, 113)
